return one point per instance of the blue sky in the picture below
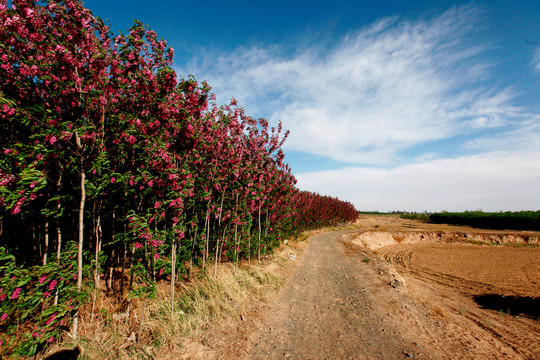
(392, 105)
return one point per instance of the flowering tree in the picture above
(116, 168)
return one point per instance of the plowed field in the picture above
(476, 281)
(498, 270)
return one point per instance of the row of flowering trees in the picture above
(115, 174)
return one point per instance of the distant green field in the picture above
(517, 220)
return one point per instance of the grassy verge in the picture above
(138, 329)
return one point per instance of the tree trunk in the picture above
(58, 240)
(80, 248)
(81, 235)
(46, 245)
(192, 257)
(259, 244)
(236, 250)
(207, 236)
(173, 276)
(96, 268)
(222, 238)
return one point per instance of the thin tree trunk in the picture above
(249, 244)
(124, 269)
(81, 235)
(80, 248)
(96, 268)
(46, 242)
(236, 250)
(58, 229)
(207, 236)
(192, 257)
(259, 244)
(218, 251)
(111, 270)
(173, 277)
(58, 244)
(222, 238)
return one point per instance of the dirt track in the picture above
(343, 301)
(368, 294)
(331, 308)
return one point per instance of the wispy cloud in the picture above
(490, 181)
(536, 60)
(376, 92)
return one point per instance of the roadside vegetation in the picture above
(119, 178)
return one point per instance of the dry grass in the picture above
(207, 303)
(440, 311)
(137, 329)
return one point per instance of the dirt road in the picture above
(344, 301)
(334, 306)
(390, 288)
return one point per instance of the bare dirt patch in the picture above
(490, 269)
(394, 289)
(484, 295)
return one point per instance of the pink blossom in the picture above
(138, 245)
(156, 243)
(46, 294)
(51, 319)
(52, 285)
(113, 180)
(4, 317)
(42, 279)
(66, 135)
(16, 293)
(33, 184)
(51, 339)
(156, 256)
(157, 204)
(52, 140)
(160, 272)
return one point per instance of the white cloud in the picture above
(378, 91)
(395, 86)
(536, 60)
(493, 182)
(525, 138)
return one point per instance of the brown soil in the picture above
(393, 289)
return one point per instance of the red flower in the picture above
(15, 294)
(52, 285)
